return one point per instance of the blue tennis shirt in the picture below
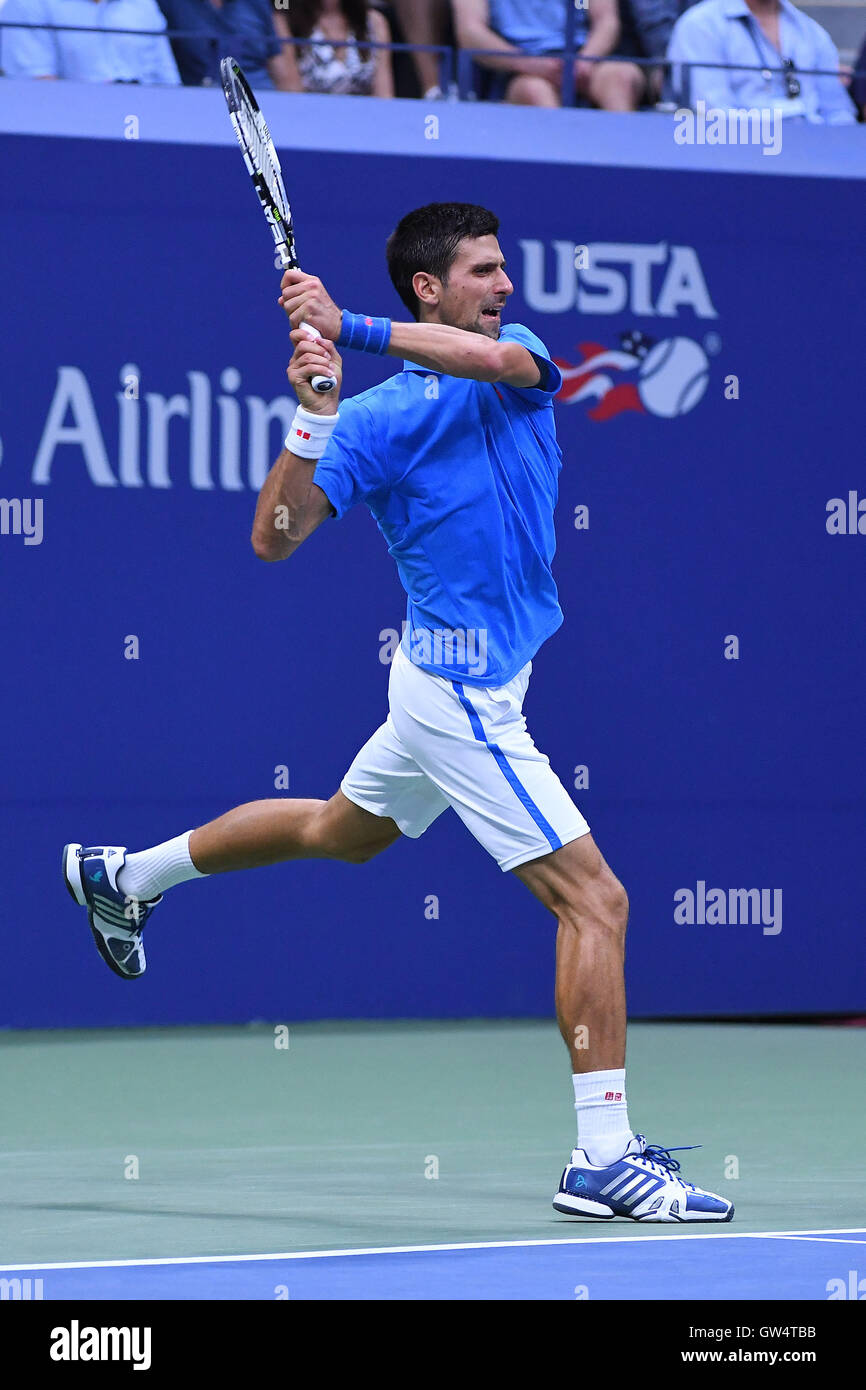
(462, 478)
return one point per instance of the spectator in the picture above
(101, 56)
(530, 34)
(762, 34)
(243, 28)
(338, 62)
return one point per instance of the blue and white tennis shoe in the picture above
(115, 918)
(642, 1185)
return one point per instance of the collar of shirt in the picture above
(738, 9)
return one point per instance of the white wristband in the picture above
(309, 433)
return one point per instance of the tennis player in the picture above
(457, 459)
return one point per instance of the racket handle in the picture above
(319, 383)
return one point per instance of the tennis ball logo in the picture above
(673, 377)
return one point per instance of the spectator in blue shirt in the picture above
(243, 28)
(530, 35)
(762, 34)
(99, 56)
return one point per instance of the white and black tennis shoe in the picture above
(115, 918)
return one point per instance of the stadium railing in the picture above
(462, 77)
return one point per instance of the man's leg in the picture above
(616, 86)
(590, 904)
(386, 795)
(591, 907)
(525, 90)
(258, 833)
(269, 832)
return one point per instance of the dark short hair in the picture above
(427, 239)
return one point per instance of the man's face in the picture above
(476, 288)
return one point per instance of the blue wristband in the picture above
(363, 333)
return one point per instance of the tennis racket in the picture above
(263, 167)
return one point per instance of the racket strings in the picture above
(261, 154)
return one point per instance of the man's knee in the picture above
(617, 906)
(599, 903)
(617, 87)
(603, 906)
(343, 831)
(531, 91)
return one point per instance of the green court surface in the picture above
(333, 1143)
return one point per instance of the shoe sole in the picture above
(568, 1205)
(685, 1220)
(71, 867)
(582, 1206)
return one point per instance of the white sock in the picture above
(603, 1130)
(150, 872)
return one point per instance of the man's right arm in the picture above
(290, 504)
(289, 509)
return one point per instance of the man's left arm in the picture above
(441, 348)
(456, 352)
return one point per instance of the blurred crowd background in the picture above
(615, 55)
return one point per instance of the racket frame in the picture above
(274, 200)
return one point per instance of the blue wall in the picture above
(151, 256)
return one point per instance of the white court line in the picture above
(424, 1249)
(829, 1240)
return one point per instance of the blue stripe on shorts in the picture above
(506, 768)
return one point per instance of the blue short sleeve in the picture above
(551, 379)
(352, 469)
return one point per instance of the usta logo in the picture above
(611, 277)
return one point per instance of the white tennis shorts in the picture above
(449, 744)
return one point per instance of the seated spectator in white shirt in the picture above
(101, 56)
(760, 34)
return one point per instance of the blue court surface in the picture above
(814, 1265)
